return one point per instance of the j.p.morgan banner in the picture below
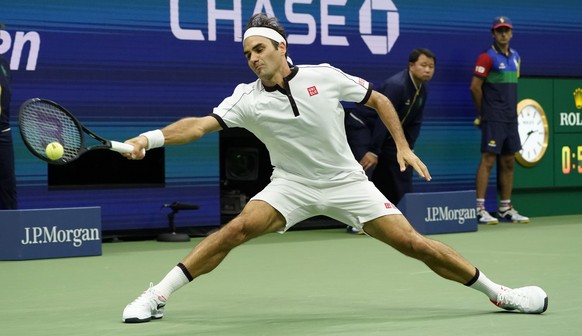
(441, 212)
(50, 233)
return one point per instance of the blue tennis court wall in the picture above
(124, 67)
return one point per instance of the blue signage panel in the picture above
(50, 233)
(127, 66)
(441, 212)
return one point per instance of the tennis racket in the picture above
(43, 122)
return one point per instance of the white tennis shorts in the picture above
(353, 203)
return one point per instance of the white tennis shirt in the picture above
(301, 126)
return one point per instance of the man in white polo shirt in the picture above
(296, 112)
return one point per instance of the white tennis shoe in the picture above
(511, 215)
(148, 306)
(483, 217)
(530, 300)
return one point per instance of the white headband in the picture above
(264, 32)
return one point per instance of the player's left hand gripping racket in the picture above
(43, 121)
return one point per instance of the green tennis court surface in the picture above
(316, 282)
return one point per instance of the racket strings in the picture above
(42, 123)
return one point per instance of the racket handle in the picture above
(121, 147)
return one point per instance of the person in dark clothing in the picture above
(369, 139)
(7, 174)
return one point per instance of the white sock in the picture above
(174, 280)
(486, 286)
(504, 205)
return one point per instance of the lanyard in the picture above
(411, 105)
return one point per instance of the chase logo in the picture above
(309, 18)
(379, 44)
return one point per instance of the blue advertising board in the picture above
(50, 233)
(124, 67)
(440, 212)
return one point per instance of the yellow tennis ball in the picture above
(477, 122)
(54, 151)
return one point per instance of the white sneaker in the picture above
(149, 305)
(484, 217)
(511, 215)
(530, 299)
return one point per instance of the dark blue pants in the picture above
(388, 178)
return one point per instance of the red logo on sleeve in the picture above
(312, 90)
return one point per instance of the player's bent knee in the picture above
(234, 233)
(240, 230)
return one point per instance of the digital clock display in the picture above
(571, 160)
(568, 159)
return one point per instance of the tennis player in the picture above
(295, 111)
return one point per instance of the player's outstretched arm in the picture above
(180, 132)
(189, 129)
